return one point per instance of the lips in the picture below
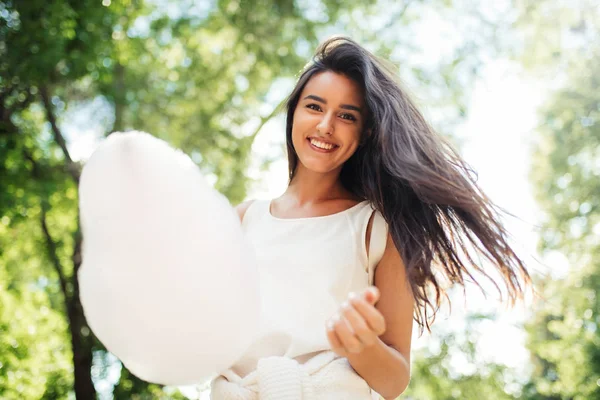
(322, 145)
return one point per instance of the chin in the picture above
(319, 168)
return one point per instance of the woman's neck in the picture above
(312, 187)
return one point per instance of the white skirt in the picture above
(325, 376)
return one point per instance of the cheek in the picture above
(296, 131)
(351, 144)
(302, 123)
(354, 136)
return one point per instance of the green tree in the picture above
(564, 338)
(44, 45)
(451, 367)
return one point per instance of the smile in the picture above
(321, 145)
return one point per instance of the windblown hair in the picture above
(442, 224)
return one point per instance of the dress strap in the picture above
(377, 243)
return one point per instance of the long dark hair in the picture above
(440, 220)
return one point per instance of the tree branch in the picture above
(119, 97)
(266, 119)
(50, 243)
(395, 17)
(72, 167)
(52, 253)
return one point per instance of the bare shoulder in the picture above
(242, 208)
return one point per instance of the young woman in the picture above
(379, 216)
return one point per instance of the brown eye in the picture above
(348, 117)
(313, 106)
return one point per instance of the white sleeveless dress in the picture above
(307, 268)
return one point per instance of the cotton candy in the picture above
(168, 283)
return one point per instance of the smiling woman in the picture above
(327, 123)
(378, 210)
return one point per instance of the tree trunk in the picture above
(81, 336)
(82, 353)
(119, 97)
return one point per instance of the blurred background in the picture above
(515, 84)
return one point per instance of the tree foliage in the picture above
(564, 338)
(451, 367)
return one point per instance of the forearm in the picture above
(383, 368)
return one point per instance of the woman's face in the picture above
(328, 122)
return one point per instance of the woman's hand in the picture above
(357, 325)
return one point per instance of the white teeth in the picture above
(321, 145)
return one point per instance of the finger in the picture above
(371, 295)
(334, 341)
(373, 318)
(358, 325)
(346, 336)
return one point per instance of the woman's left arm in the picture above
(374, 329)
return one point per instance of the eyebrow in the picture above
(322, 100)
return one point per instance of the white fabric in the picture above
(377, 244)
(323, 377)
(307, 267)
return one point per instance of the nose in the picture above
(325, 126)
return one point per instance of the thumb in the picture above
(372, 295)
